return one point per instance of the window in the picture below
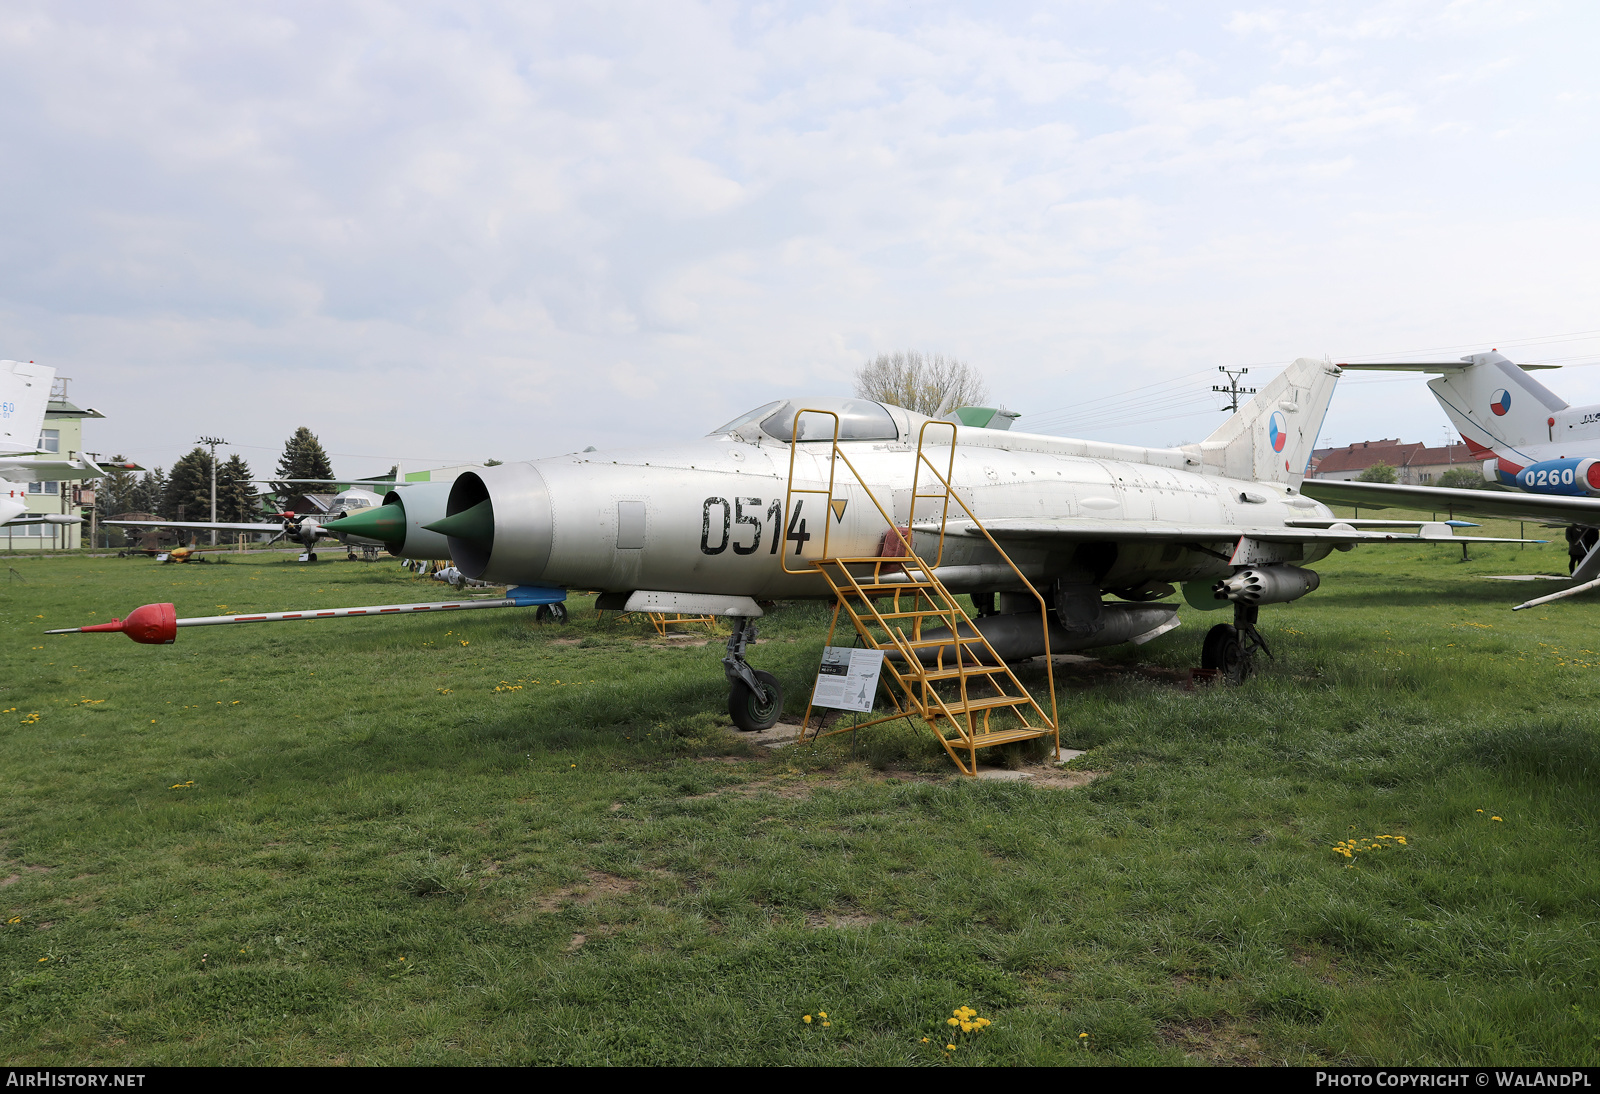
(44, 488)
(50, 440)
(859, 420)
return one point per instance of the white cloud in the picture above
(417, 228)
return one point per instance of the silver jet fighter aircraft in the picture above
(711, 527)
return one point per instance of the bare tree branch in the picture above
(930, 384)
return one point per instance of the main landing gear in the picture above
(754, 698)
(1231, 649)
(551, 613)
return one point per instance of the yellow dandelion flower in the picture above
(1494, 818)
(952, 1021)
(822, 1014)
(826, 1024)
(806, 1019)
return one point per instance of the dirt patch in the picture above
(14, 878)
(676, 641)
(599, 885)
(1086, 672)
(565, 641)
(840, 921)
(1214, 1041)
(792, 788)
(1056, 779)
(577, 943)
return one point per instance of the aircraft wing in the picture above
(1163, 531)
(48, 470)
(221, 526)
(1505, 504)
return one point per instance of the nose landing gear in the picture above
(1231, 648)
(754, 698)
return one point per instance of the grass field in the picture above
(473, 838)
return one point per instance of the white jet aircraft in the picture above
(711, 526)
(24, 397)
(1545, 452)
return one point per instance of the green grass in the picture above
(383, 859)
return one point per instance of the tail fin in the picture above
(24, 395)
(1271, 438)
(1495, 404)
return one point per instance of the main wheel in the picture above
(1224, 652)
(551, 613)
(748, 710)
(311, 556)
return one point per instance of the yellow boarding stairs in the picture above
(964, 692)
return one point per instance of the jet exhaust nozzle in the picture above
(1267, 585)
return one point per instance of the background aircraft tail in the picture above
(1271, 437)
(24, 395)
(1495, 404)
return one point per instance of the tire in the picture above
(747, 710)
(1224, 652)
(551, 613)
(311, 556)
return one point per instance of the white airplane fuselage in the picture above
(709, 516)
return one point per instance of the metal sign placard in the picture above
(847, 678)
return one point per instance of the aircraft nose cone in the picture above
(475, 525)
(384, 523)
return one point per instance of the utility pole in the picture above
(213, 442)
(1233, 390)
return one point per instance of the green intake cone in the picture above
(385, 523)
(475, 525)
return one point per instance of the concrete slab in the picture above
(784, 733)
(1071, 754)
(1002, 775)
(1525, 577)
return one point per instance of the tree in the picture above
(150, 493)
(188, 495)
(303, 458)
(930, 384)
(114, 493)
(1462, 478)
(236, 494)
(1379, 472)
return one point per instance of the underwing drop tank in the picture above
(1256, 585)
(1018, 636)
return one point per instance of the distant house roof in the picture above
(1392, 451)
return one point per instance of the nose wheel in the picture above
(754, 698)
(1231, 648)
(551, 613)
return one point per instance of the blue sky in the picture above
(455, 231)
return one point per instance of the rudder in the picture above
(1271, 438)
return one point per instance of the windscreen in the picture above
(859, 420)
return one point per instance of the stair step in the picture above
(956, 673)
(931, 643)
(1000, 737)
(992, 702)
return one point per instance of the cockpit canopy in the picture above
(859, 420)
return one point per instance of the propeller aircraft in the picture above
(1106, 532)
